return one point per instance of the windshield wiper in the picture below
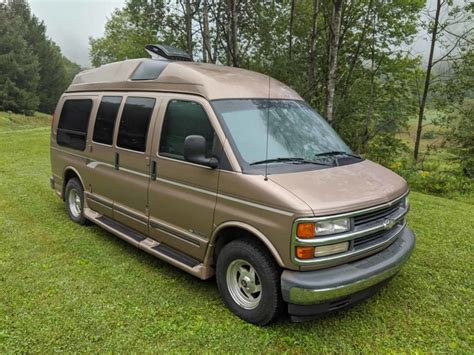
(335, 152)
(288, 160)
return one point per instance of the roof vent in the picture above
(162, 51)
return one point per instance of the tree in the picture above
(139, 23)
(121, 41)
(232, 30)
(333, 49)
(188, 19)
(375, 92)
(447, 32)
(313, 45)
(454, 97)
(421, 112)
(53, 75)
(18, 67)
(71, 69)
(350, 53)
(207, 55)
(40, 55)
(290, 35)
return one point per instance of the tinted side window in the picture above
(184, 118)
(133, 129)
(105, 120)
(73, 123)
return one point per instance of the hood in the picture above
(343, 188)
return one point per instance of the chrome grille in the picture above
(376, 237)
(368, 238)
(376, 215)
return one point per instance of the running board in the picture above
(151, 246)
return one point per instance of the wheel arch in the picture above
(229, 231)
(69, 173)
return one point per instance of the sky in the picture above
(70, 23)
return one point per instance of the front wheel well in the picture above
(228, 234)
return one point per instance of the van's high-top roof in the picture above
(208, 80)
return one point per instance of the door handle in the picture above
(117, 161)
(153, 170)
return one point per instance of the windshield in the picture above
(294, 129)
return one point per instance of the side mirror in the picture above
(195, 152)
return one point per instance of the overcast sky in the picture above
(70, 23)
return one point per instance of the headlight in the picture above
(316, 229)
(333, 226)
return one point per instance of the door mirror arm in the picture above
(195, 152)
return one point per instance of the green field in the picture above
(64, 287)
(432, 135)
(12, 122)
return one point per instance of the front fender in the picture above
(252, 230)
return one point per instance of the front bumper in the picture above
(313, 292)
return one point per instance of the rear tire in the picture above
(74, 199)
(249, 281)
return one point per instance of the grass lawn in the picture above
(11, 121)
(64, 287)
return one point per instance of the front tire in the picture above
(74, 199)
(249, 281)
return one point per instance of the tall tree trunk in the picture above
(426, 88)
(334, 36)
(227, 31)
(234, 17)
(207, 50)
(218, 24)
(312, 45)
(188, 17)
(204, 52)
(355, 56)
(290, 37)
(370, 108)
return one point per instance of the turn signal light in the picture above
(305, 252)
(305, 230)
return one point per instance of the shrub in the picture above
(386, 149)
(428, 134)
(441, 179)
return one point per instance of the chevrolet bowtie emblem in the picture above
(388, 223)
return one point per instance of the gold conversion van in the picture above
(223, 171)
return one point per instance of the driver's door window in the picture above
(182, 119)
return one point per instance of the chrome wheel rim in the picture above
(75, 203)
(244, 284)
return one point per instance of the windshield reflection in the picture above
(294, 129)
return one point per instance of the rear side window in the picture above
(73, 123)
(182, 119)
(105, 120)
(133, 129)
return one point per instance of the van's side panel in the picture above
(130, 181)
(64, 158)
(101, 168)
(183, 196)
(263, 205)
